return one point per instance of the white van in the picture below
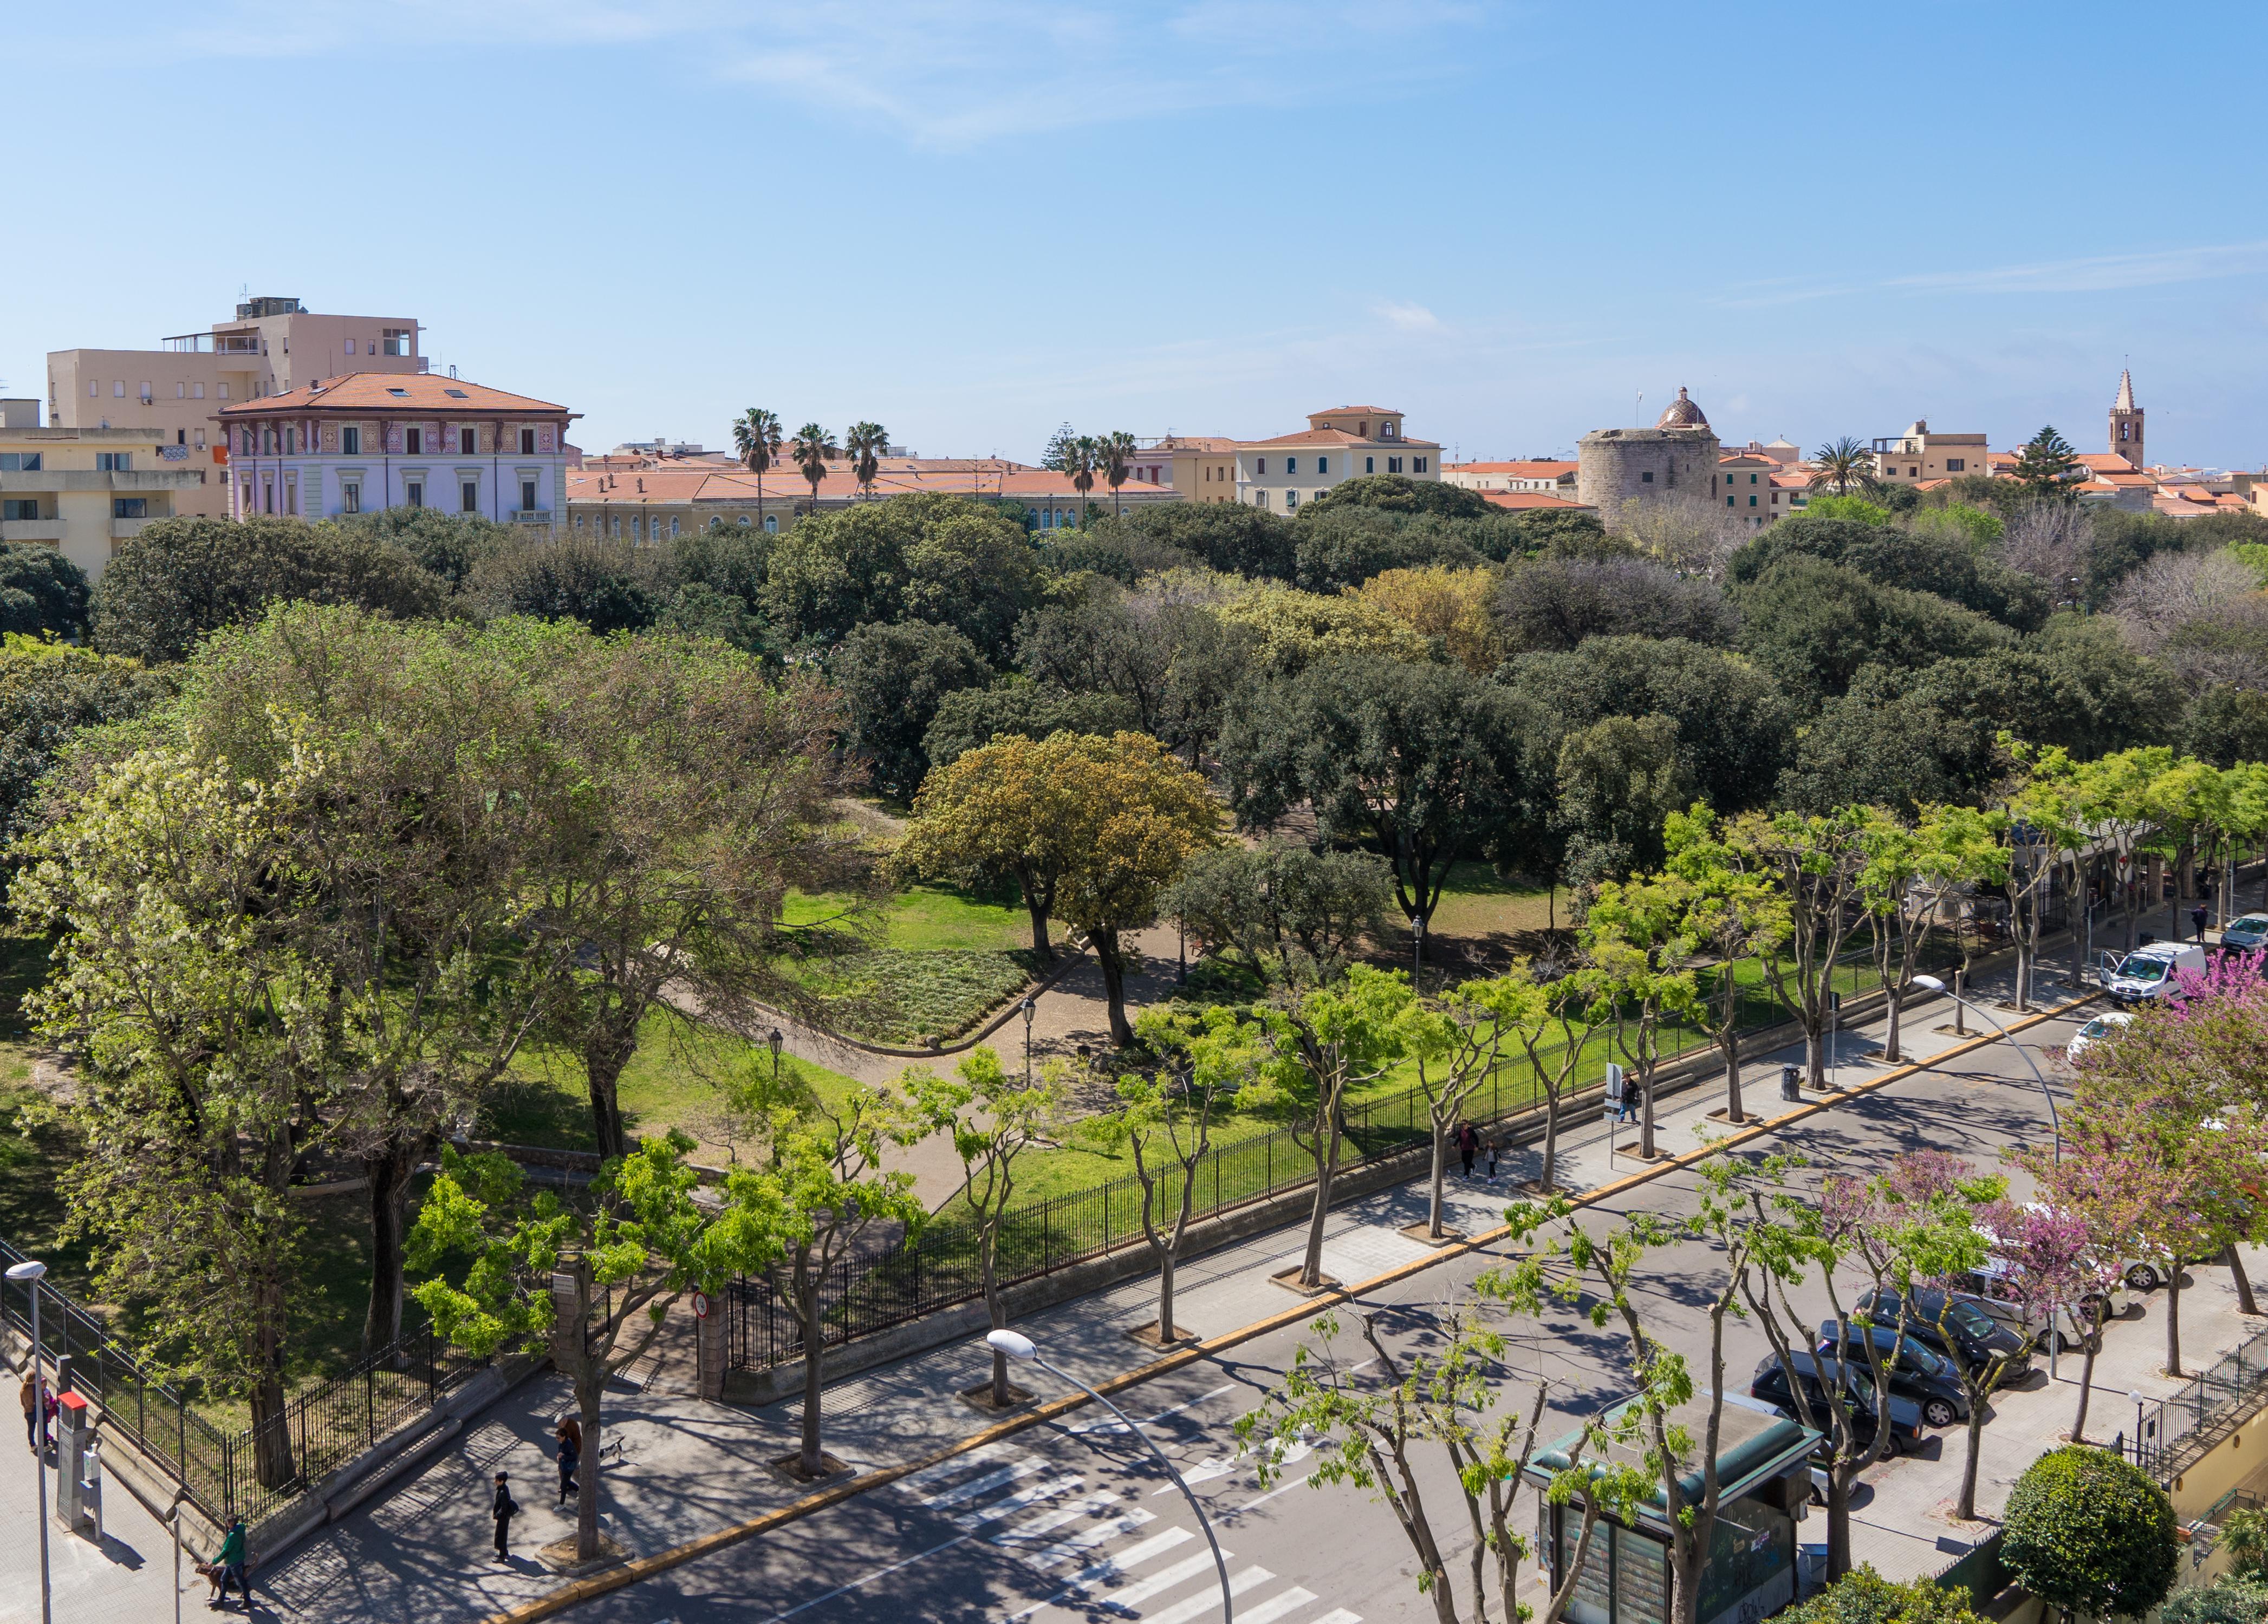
(2152, 972)
(1988, 1288)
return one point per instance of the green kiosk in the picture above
(1763, 1470)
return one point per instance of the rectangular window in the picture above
(469, 492)
(1259, 465)
(93, 388)
(118, 389)
(1322, 464)
(223, 391)
(1420, 465)
(527, 442)
(413, 442)
(468, 441)
(412, 492)
(268, 496)
(1956, 464)
(351, 496)
(180, 392)
(1752, 478)
(1752, 502)
(350, 440)
(1291, 500)
(1259, 498)
(290, 496)
(16, 509)
(1394, 465)
(1730, 500)
(1646, 478)
(19, 462)
(196, 391)
(200, 445)
(527, 495)
(146, 392)
(1370, 464)
(1291, 465)
(394, 341)
(114, 462)
(349, 346)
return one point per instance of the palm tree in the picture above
(812, 450)
(756, 438)
(864, 444)
(1080, 460)
(1118, 458)
(1842, 463)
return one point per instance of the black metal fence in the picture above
(2166, 1431)
(318, 1431)
(940, 1266)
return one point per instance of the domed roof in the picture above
(1681, 414)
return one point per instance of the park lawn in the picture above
(930, 961)
(1476, 901)
(924, 918)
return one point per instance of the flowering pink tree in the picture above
(2054, 1268)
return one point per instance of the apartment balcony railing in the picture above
(31, 530)
(531, 515)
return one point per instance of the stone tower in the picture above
(2127, 422)
(1676, 458)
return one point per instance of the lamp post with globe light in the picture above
(30, 1272)
(1931, 983)
(1017, 1346)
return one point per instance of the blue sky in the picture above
(973, 222)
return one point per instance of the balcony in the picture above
(532, 516)
(31, 530)
(53, 481)
(121, 529)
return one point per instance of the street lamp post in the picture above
(773, 1041)
(1416, 949)
(2046, 1093)
(1017, 1346)
(1030, 1009)
(30, 1271)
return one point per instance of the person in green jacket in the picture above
(234, 1559)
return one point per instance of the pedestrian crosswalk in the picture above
(1099, 1547)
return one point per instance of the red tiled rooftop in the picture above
(394, 392)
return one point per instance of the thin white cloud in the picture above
(940, 73)
(1409, 317)
(2094, 274)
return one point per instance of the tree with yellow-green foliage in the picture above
(1295, 629)
(1456, 606)
(1092, 828)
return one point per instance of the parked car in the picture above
(2100, 1027)
(1926, 1378)
(2067, 1329)
(2153, 973)
(2138, 1274)
(1771, 1384)
(1953, 1325)
(2247, 935)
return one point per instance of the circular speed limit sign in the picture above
(701, 1305)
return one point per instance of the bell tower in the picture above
(2127, 422)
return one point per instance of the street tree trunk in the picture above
(2085, 1387)
(389, 1172)
(1729, 1041)
(1965, 1509)
(604, 1056)
(1114, 985)
(1551, 1144)
(1440, 1175)
(2243, 1280)
(1038, 907)
(807, 1458)
(2174, 1319)
(1326, 1155)
(589, 1386)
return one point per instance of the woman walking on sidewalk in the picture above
(1469, 1139)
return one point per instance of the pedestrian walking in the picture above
(233, 1565)
(1626, 1104)
(1495, 1145)
(1469, 1139)
(32, 1413)
(2197, 918)
(568, 1454)
(503, 1508)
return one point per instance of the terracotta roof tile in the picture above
(1524, 499)
(1332, 436)
(394, 392)
(1537, 470)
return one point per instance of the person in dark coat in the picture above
(32, 1412)
(1469, 1139)
(501, 1509)
(569, 1452)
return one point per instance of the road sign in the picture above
(701, 1305)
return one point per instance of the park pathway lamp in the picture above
(773, 1042)
(2046, 1093)
(1016, 1345)
(1416, 949)
(30, 1272)
(1030, 1009)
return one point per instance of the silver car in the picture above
(2249, 934)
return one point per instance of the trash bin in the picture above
(1791, 1083)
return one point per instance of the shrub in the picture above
(2232, 1598)
(1864, 1597)
(42, 591)
(2088, 1531)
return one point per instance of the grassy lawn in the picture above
(1476, 901)
(929, 962)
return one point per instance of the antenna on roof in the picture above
(1637, 411)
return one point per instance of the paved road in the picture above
(1066, 1521)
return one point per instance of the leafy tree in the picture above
(1813, 625)
(688, 793)
(1855, 510)
(1950, 850)
(925, 557)
(41, 592)
(1105, 642)
(1341, 547)
(757, 437)
(993, 1120)
(893, 678)
(180, 578)
(1232, 537)
(1729, 911)
(1554, 605)
(968, 718)
(2047, 463)
(825, 1188)
(606, 585)
(811, 451)
(1864, 1597)
(1634, 937)
(447, 545)
(1395, 493)
(1912, 559)
(1419, 760)
(1814, 862)
(1287, 630)
(1308, 909)
(1114, 548)
(2107, 1194)
(2239, 1597)
(1456, 1041)
(1453, 605)
(2087, 1532)
(1368, 1434)
(730, 560)
(1842, 463)
(645, 1244)
(1617, 780)
(1082, 456)
(1555, 1020)
(1058, 445)
(863, 443)
(1165, 1121)
(998, 810)
(48, 693)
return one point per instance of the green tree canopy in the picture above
(1395, 493)
(1228, 536)
(49, 692)
(1553, 605)
(41, 592)
(1813, 625)
(893, 677)
(968, 718)
(927, 557)
(608, 586)
(2087, 1531)
(1920, 559)
(1345, 546)
(2047, 462)
(447, 545)
(1864, 1597)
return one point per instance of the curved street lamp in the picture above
(2046, 1093)
(30, 1272)
(1017, 1346)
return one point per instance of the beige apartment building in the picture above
(1920, 455)
(83, 491)
(1536, 476)
(1201, 467)
(273, 347)
(1344, 442)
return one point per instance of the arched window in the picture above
(771, 523)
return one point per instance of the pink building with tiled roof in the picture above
(367, 441)
(1342, 443)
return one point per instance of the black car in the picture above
(1926, 1378)
(1968, 1334)
(1771, 1384)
